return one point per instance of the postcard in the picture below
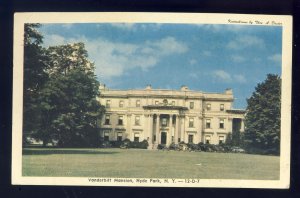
(152, 99)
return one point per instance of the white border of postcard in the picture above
(240, 19)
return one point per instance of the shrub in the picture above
(174, 146)
(225, 148)
(205, 147)
(116, 144)
(144, 144)
(193, 147)
(128, 144)
(105, 144)
(125, 143)
(162, 147)
(183, 146)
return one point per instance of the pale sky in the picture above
(208, 58)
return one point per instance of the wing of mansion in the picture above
(163, 116)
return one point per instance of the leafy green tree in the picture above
(262, 122)
(69, 104)
(35, 76)
(60, 92)
(64, 58)
(228, 140)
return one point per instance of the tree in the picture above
(69, 103)
(228, 140)
(64, 58)
(60, 92)
(262, 121)
(35, 76)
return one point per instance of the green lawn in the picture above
(134, 163)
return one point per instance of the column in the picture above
(157, 129)
(182, 128)
(176, 130)
(200, 130)
(146, 127)
(169, 137)
(114, 120)
(128, 131)
(242, 126)
(150, 129)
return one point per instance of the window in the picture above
(164, 122)
(165, 101)
(137, 120)
(221, 125)
(106, 136)
(191, 138)
(136, 137)
(191, 122)
(121, 103)
(138, 103)
(120, 120)
(207, 124)
(221, 139)
(207, 139)
(108, 103)
(191, 105)
(221, 107)
(107, 120)
(156, 102)
(119, 136)
(173, 103)
(208, 107)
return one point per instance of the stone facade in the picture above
(163, 116)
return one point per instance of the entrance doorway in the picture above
(163, 139)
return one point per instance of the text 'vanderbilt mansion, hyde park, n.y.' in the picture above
(164, 116)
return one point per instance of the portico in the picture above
(164, 124)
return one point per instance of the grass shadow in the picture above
(65, 151)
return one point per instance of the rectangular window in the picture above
(137, 120)
(207, 124)
(221, 139)
(208, 107)
(207, 139)
(221, 107)
(191, 122)
(221, 126)
(191, 105)
(136, 137)
(120, 120)
(106, 136)
(138, 103)
(107, 120)
(173, 103)
(191, 138)
(121, 103)
(119, 137)
(164, 122)
(108, 103)
(156, 102)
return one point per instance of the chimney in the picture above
(184, 88)
(102, 87)
(148, 87)
(228, 91)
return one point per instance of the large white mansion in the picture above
(163, 116)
